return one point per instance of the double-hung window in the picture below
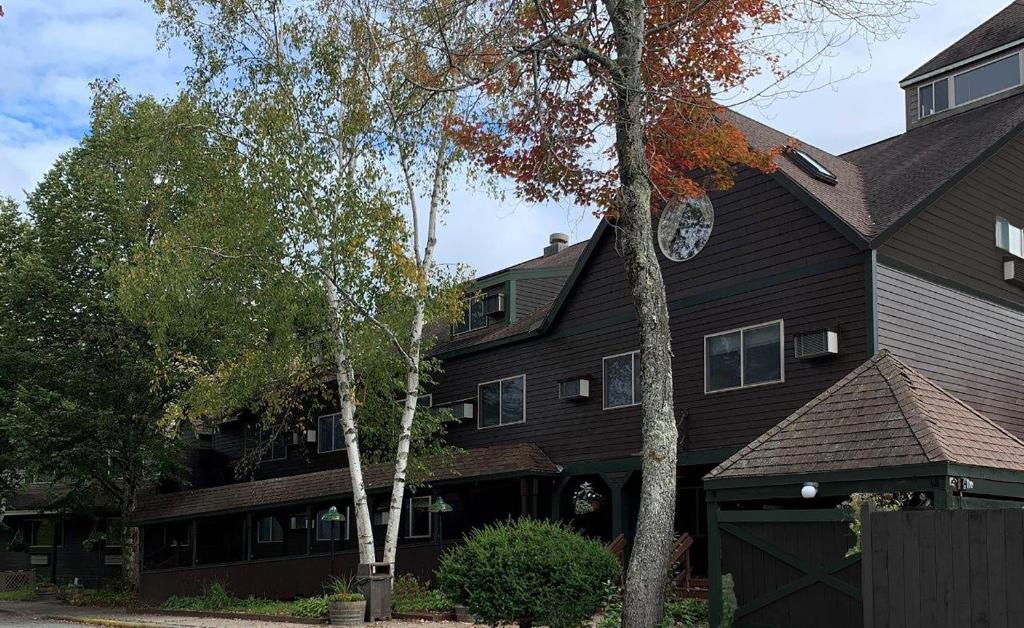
(474, 316)
(502, 402)
(273, 447)
(330, 435)
(269, 530)
(419, 517)
(621, 380)
(339, 529)
(750, 356)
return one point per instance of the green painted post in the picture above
(714, 563)
(617, 483)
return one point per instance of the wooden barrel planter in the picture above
(347, 613)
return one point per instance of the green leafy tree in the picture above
(86, 398)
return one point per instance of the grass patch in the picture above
(101, 598)
(24, 594)
(412, 596)
(217, 599)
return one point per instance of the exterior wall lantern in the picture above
(809, 490)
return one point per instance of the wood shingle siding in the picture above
(770, 257)
(972, 347)
(954, 238)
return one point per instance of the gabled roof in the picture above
(1001, 29)
(883, 414)
(501, 460)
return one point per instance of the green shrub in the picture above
(685, 613)
(729, 602)
(530, 572)
(104, 597)
(23, 594)
(409, 595)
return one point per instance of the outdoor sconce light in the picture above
(809, 490)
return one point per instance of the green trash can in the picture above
(375, 585)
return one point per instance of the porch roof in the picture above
(884, 414)
(502, 460)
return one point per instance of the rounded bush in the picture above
(530, 572)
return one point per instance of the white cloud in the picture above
(52, 49)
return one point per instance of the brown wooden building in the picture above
(912, 244)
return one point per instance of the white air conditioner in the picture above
(113, 559)
(463, 410)
(574, 389)
(815, 344)
(39, 559)
(381, 517)
(494, 305)
(310, 436)
(1013, 272)
(297, 522)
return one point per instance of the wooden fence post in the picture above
(714, 563)
(866, 592)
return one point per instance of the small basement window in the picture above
(740, 358)
(812, 166)
(502, 402)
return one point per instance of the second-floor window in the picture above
(269, 530)
(502, 402)
(970, 85)
(273, 447)
(1009, 238)
(474, 316)
(622, 380)
(330, 435)
(750, 356)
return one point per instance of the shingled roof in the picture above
(502, 460)
(883, 414)
(881, 183)
(1003, 28)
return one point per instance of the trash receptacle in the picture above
(375, 585)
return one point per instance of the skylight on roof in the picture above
(812, 166)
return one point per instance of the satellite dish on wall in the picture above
(685, 227)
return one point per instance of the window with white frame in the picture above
(502, 402)
(621, 380)
(340, 529)
(739, 358)
(419, 517)
(425, 401)
(269, 530)
(1009, 238)
(474, 316)
(330, 435)
(969, 85)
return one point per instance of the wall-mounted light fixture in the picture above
(809, 490)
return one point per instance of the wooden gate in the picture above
(944, 569)
(790, 568)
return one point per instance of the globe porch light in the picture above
(809, 490)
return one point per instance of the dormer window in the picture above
(969, 86)
(812, 166)
(474, 316)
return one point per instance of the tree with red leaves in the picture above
(616, 104)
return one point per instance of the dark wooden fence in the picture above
(944, 569)
(790, 568)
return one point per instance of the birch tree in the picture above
(310, 94)
(618, 104)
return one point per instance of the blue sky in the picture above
(52, 49)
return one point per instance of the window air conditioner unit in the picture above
(462, 410)
(1013, 272)
(815, 344)
(310, 436)
(381, 517)
(574, 389)
(113, 559)
(494, 305)
(39, 559)
(297, 522)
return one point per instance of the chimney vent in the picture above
(557, 242)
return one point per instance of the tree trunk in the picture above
(131, 561)
(646, 576)
(343, 373)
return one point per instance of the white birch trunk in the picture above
(425, 266)
(344, 375)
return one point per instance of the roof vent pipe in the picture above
(557, 242)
